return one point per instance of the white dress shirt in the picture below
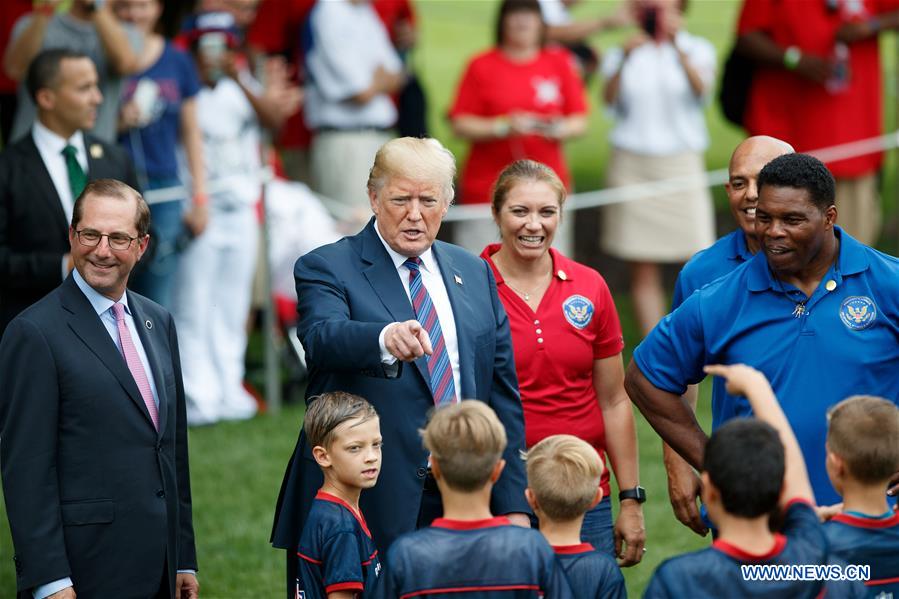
(50, 146)
(433, 282)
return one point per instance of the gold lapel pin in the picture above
(96, 151)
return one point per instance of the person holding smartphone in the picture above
(656, 88)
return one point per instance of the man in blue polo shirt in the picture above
(816, 311)
(726, 254)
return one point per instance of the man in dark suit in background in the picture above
(408, 323)
(43, 173)
(92, 421)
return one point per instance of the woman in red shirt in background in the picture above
(516, 100)
(567, 343)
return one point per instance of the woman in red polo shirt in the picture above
(567, 342)
(520, 99)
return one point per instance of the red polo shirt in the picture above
(575, 324)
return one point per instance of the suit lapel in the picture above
(462, 313)
(147, 337)
(98, 166)
(44, 190)
(86, 324)
(385, 280)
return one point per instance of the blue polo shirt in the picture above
(706, 266)
(709, 264)
(846, 342)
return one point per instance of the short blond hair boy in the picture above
(563, 483)
(468, 441)
(563, 475)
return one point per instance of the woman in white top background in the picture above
(656, 88)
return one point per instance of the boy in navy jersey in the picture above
(751, 466)
(862, 456)
(336, 556)
(563, 483)
(468, 552)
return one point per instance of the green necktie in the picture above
(77, 178)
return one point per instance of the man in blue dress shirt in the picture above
(726, 254)
(816, 311)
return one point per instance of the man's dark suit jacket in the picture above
(350, 290)
(92, 490)
(34, 234)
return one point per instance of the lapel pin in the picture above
(523, 455)
(96, 151)
(457, 279)
(148, 324)
(562, 275)
(830, 285)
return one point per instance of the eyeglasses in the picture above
(117, 241)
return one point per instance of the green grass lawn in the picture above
(237, 468)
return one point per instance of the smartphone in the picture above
(649, 21)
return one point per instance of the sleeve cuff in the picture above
(387, 359)
(45, 590)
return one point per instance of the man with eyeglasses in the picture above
(42, 174)
(92, 417)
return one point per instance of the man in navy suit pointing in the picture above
(409, 323)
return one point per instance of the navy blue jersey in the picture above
(869, 541)
(483, 558)
(591, 573)
(336, 552)
(716, 571)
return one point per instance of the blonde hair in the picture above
(467, 439)
(864, 431)
(525, 170)
(420, 159)
(328, 411)
(563, 475)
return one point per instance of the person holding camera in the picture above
(518, 100)
(656, 87)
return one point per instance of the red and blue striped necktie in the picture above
(442, 386)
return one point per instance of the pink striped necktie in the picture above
(132, 358)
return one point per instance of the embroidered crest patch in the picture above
(858, 312)
(578, 311)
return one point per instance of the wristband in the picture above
(501, 127)
(792, 56)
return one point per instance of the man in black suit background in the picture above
(43, 173)
(92, 420)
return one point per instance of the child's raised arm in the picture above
(749, 382)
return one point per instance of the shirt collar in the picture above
(851, 260)
(100, 302)
(739, 249)
(562, 268)
(54, 143)
(428, 262)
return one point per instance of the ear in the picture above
(45, 98)
(72, 239)
(142, 245)
(830, 216)
(497, 470)
(597, 498)
(835, 463)
(710, 492)
(532, 499)
(435, 468)
(320, 454)
(373, 200)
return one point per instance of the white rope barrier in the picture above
(576, 201)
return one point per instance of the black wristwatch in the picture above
(638, 494)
